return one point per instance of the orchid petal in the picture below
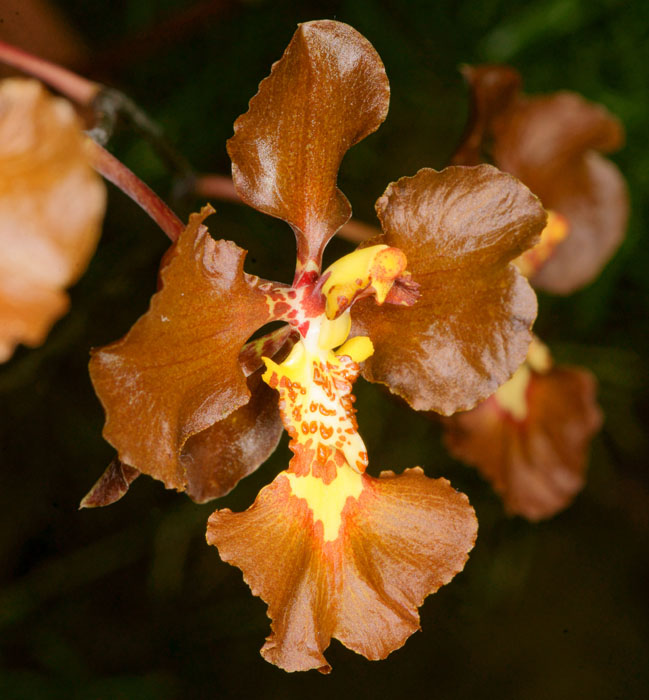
(327, 92)
(216, 459)
(470, 328)
(177, 371)
(541, 136)
(593, 198)
(535, 460)
(111, 485)
(493, 89)
(552, 144)
(396, 540)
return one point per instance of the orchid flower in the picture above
(432, 308)
(530, 439)
(51, 208)
(553, 144)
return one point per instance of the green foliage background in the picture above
(128, 602)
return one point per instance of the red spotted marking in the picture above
(281, 307)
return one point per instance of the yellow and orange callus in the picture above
(366, 271)
(317, 410)
(554, 232)
(316, 405)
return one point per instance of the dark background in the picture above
(128, 602)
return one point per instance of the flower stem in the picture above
(73, 86)
(110, 104)
(217, 186)
(357, 231)
(117, 173)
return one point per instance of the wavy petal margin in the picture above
(177, 371)
(51, 208)
(396, 540)
(470, 329)
(536, 462)
(327, 92)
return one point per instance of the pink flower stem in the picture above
(217, 186)
(358, 231)
(222, 187)
(117, 173)
(73, 86)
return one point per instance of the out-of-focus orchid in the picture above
(530, 439)
(51, 208)
(432, 308)
(553, 144)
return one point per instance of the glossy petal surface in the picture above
(399, 539)
(217, 458)
(177, 371)
(536, 463)
(327, 92)
(51, 207)
(469, 330)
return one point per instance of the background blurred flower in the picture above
(51, 208)
(530, 439)
(553, 144)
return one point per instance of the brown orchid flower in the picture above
(530, 439)
(51, 207)
(432, 308)
(553, 144)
